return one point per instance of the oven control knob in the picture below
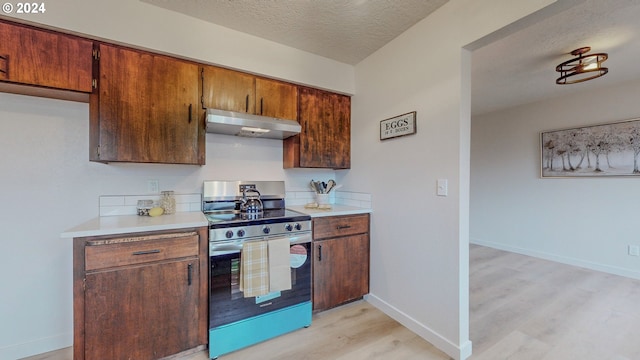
(229, 234)
(266, 229)
(288, 227)
(240, 233)
(298, 226)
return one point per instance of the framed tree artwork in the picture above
(611, 149)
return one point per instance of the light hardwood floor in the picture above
(525, 308)
(521, 308)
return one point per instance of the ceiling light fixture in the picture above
(582, 68)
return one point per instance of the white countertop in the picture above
(110, 225)
(334, 211)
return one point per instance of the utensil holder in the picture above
(322, 199)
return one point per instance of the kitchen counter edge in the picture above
(336, 210)
(122, 224)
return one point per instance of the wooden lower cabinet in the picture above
(341, 260)
(140, 296)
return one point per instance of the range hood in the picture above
(248, 125)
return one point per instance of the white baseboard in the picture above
(461, 352)
(38, 346)
(561, 259)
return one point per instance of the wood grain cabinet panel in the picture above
(276, 99)
(325, 140)
(231, 90)
(147, 312)
(341, 260)
(146, 109)
(43, 58)
(140, 296)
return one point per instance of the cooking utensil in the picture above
(330, 185)
(317, 187)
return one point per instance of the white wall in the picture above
(48, 184)
(419, 245)
(587, 222)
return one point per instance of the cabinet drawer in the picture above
(332, 226)
(101, 254)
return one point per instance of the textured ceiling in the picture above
(515, 70)
(344, 30)
(520, 68)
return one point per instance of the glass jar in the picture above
(144, 206)
(168, 202)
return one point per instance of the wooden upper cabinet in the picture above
(228, 90)
(42, 58)
(231, 90)
(276, 99)
(146, 109)
(325, 140)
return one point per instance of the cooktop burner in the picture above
(231, 219)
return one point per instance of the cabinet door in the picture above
(276, 99)
(147, 109)
(341, 270)
(340, 125)
(36, 57)
(325, 140)
(228, 90)
(315, 108)
(142, 312)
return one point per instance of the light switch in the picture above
(442, 187)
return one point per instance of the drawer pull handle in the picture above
(189, 274)
(6, 65)
(341, 227)
(190, 112)
(146, 252)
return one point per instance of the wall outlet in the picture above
(634, 250)
(153, 186)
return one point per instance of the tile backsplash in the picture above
(111, 205)
(349, 198)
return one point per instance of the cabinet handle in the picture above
(190, 108)
(246, 104)
(6, 64)
(202, 88)
(341, 227)
(189, 274)
(146, 252)
(319, 252)
(261, 101)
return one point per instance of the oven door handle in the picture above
(224, 249)
(236, 246)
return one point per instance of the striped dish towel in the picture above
(254, 269)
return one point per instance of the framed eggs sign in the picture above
(400, 125)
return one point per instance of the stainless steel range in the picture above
(260, 264)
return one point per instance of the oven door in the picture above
(227, 303)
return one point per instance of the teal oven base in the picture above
(231, 337)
